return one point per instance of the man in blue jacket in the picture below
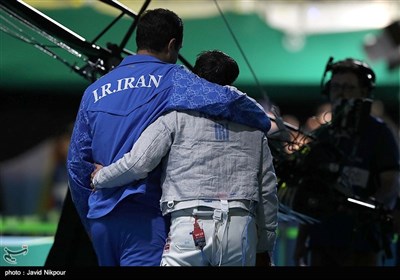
(113, 113)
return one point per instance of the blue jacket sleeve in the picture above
(218, 101)
(80, 163)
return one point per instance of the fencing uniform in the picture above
(218, 185)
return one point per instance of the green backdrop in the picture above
(24, 67)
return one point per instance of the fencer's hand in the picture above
(97, 167)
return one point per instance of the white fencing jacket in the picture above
(204, 160)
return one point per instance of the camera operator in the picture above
(366, 164)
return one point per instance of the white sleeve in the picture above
(147, 152)
(267, 209)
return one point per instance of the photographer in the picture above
(356, 156)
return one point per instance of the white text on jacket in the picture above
(126, 83)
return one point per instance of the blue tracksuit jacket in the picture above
(116, 108)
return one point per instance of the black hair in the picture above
(217, 67)
(156, 28)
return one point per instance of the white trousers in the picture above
(230, 239)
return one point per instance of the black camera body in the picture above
(310, 178)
